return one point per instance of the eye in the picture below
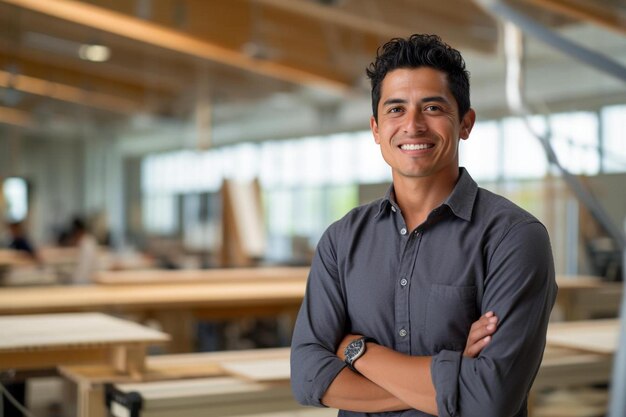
(395, 110)
(432, 107)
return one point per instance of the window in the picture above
(480, 154)
(575, 141)
(523, 156)
(309, 182)
(614, 139)
(15, 192)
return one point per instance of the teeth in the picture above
(412, 147)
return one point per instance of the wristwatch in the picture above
(355, 350)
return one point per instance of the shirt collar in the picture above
(461, 200)
(388, 201)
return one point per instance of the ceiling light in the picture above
(94, 53)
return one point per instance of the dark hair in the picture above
(78, 225)
(421, 51)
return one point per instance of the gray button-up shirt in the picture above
(419, 291)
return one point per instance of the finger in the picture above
(483, 323)
(485, 319)
(481, 328)
(474, 349)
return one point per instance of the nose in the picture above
(415, 123)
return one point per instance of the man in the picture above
(415, 271)
(87, 259)
(20, 242)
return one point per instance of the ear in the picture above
(374, 129)
(467, 124)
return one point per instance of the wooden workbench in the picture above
(175, 305)
(229, 275)
(49, 340)
(587, 297)
(178, 375)
(40, 342)
(216, 299)
(11, 258)
(595, 336)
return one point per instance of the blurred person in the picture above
(19, 241)
(87, 261)
(435, 299)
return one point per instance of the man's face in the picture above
(418, 127)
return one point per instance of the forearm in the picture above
(351, 391)
(405, 377)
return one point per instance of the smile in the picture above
(416, 147)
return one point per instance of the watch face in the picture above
(354, 349)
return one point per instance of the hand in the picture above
(480, 334)
(342, 346)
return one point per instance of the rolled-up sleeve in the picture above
(319, 328)
(520, 288)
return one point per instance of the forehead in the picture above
(422, 80)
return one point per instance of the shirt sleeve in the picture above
(319, 328)
(520, 288)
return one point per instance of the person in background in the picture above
(399, 316)
(19, 241)
(87, 245)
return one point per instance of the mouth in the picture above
(416, 146)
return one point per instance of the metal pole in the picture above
(617, 400)
(558, 42)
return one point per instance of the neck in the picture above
(417, 197)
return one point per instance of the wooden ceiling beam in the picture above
(15, 117)
(599, 13)
(68, 93)
(163, 37)
(110, 76)
(363, 24)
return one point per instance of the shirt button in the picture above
(403, 231)
(393, 209)
(403, 332)
(403, 282)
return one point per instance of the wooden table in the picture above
(38, 342)
(587, 297)
(595, 336)
(217, 299)
(578, 354)
(175, 305)
(228, 275)
(10, 258)
(49, 340)
(563, 367)
(178, 375)
(174, 374)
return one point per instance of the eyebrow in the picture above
(437, 99)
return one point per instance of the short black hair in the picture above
(78, 225)
(421, 51)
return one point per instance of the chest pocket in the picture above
(450, 312)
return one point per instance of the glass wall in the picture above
(309, 182)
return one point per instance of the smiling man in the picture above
(435, 299)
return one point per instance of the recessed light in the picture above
(94, 53)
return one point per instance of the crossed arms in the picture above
(391, 381)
